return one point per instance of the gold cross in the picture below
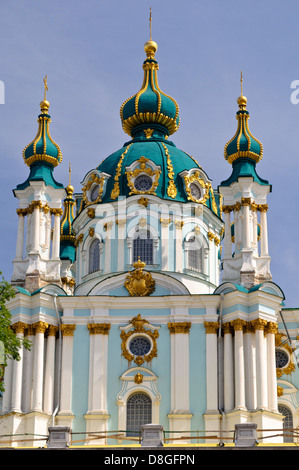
(46, 86)
(150, 23)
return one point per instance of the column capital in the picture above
(238, 324)
(52, 330)
(99, 328)
(259, 324)
(19, 327)
(179, 327)
(67, 329)
(40, 327)
(227, 328)
(263, 207)
(245, 201)
(272, 327)
(211, 327)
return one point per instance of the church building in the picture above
(148, 295)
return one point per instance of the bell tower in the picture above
(246, 259)
(37, 260)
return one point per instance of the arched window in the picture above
(287, 423)
(139, 412)
(94, 256)
(194, 254)
(143, 246)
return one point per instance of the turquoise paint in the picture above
(82, 312)
(80, 380)
(197, 368)
(197, 311)
(132, 312)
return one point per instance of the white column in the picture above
(246, 223)
(228, 368)
(179, 332)
(50, 370)
(121, 223)
(227, 236)
(28, 371)
(98, 367)
(108, 227)
(56, 233)
(6, 402)
(164, 243)
(179, 416)
(36, 226)
(250, 367)
(66, 369)
(211, 366)
(238, 326)
(20, 237)
(271, 361)
(264, 229)
(261, 364)
(38, 365)
(178, 246)
(16, 392)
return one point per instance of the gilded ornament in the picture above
(171, 190)
(91, 213)
(99, 328)
(67, 329)
(211, 327)
(115, 190)
(148, 133)
(179, 327)
(93, 179)
(139, 326)
(144, 168)
(139, 283)
(138, 379)
(91, 231)
(143, 201)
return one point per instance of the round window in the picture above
(282, 358)
(94, 194)
(143, 183)
(195, 191)
(140, 346)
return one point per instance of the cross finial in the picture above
(150, 23)
(70, 172)
(241, 83)
(46, 86)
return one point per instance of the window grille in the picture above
(94, 256)
(140, 346)
(139, 412)
(143, 247)
(194, 255)
(287, 422)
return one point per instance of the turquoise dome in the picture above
(43, 148)
(243, 144)
(150, 164)
(150, 106)
(67, 235)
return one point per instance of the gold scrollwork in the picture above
(171, 190)
(139, 283)
(139, 327)
(115, 191)
(281, 344)
(143, 169)
(98, 181)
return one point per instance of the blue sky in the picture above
(92, 53)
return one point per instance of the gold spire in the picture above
(150, 46)
(242, 100)
(69, 188)
(44, 106)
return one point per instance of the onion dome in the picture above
(67, 235)
(150, 106)
(243, 144)
(243, 151)
(42, 155)
(43, 148)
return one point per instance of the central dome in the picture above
(150, 164)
